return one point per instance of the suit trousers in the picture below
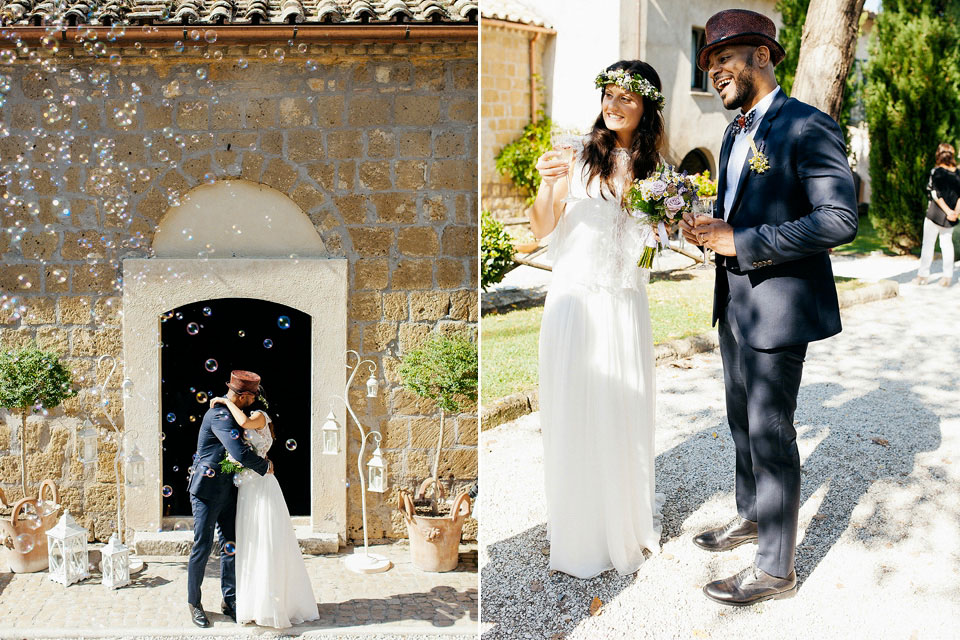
(208, 514)
(761, 396)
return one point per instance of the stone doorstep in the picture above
(179, 543)
(520, 404)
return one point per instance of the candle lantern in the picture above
(372, 387)
(331, 435)
(377, 472)
(133, 464)
(87, 449)
(67, 551)
(115, 563)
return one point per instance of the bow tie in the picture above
(742, 123)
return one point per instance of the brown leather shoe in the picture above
(749, 586)
(733, 534)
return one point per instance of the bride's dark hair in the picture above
(261, 404)
(647, 139)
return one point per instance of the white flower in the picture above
(657, 188)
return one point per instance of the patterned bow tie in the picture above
(742, 123)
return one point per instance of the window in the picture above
(698, 78)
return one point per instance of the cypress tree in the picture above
(912, 106)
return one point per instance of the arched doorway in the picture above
(695, 162)
(201, 343)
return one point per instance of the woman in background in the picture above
(943, 187)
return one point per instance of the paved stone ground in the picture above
(403, 602)
(879, 436)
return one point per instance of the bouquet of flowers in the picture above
(661, 197)
(229, 465)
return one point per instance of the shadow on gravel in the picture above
(858, 450)
(442, 606)
(5, 579)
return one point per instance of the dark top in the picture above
(945, 184)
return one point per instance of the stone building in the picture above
(587, 39)
(192, 187)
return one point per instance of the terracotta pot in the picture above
(36, 559)
(528, 247)
(435, 540)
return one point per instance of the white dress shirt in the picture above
(739, 150)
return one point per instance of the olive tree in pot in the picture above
(444, 370)
(30, 380)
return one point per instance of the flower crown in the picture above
(630, 82)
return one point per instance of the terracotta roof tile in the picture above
(177, 12)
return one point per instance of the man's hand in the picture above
(269, 465)
(714, 234)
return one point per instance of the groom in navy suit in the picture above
(213, 496)
(785, 197)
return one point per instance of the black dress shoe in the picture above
(749, 586)
(228, 610)
(198, 616)
(733, 534)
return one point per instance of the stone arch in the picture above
(698, 161)
(236, 218)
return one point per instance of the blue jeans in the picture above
(207, 515)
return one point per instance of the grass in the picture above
(681, 304)
(867, 241)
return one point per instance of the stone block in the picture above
(346, 175)
(305, 146)
(381, 143)
(448, 145)
(353, 208)
(99, 278)
(395, 208)
(429, 305)
(39, 311)
(463, 305)
(460, 463)
(375, 175)
(364, 306)
(424, 432)
(413, 274)
(193, 115)
(252, 166)
(414, 144)
(460, 241)
(371, 273)
(411, 174)
(306, 197)
(418, 241)
(463, 111)
(412, 336)
(416, 110)
(322, 173)
(345, 144)
(330, 111)
(370, 110)
(450, 273)
(262, 113)
(371, 242)
(19, 278)
(395, 306)
(39, 246)
(378, 336)
(108, 312)
(295, 112)
(467, 430)
(436, 208)
(226, 115)
(279, 174)
(453, 174)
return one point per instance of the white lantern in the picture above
(331, 436)
(377, 472)
(67, 551)
(115, 563)
(87, 437)
(133, 468)
(372, 386)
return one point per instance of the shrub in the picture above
(518, 160)
(496, 251)
(706, 187)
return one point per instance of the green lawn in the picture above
(680, 306)
(867, 241)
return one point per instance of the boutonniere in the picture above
(758, 162)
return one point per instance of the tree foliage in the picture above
(496, 251)
(912, 105)
(32, 378)
(518, 160)
(443, 370)
(794, 14)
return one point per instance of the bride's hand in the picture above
(551, 167)
(215, 401)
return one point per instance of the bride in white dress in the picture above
(273, 588)
(596, 352)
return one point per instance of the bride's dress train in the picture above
(597, 390)
(273, 588)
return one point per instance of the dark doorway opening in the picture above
(695, 162)
(201, 343)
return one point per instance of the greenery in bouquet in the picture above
(228, 465)
(660, 198)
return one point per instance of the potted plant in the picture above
(31, 380)
(444, 370)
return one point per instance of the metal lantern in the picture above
(372, 387)
(377, 472)
(331, 435)
(88, 443)
(67, 551)
(133, 468)
(115, 563)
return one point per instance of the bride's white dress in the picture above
(597, 388)
(273, 588)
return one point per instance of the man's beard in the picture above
(746, 88)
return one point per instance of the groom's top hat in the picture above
(739, 26)
(244, 382)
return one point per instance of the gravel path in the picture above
(878, 555)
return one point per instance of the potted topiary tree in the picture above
(444, 370)
(31, 380)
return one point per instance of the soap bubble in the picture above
(167, 491)
(291, 445)
(209, 472)
(180, 525)
(171, 417)
(207, 311)
(283, 322)
(23, 543)
(193, 328)
(210, 36)
(201, 397)
(242, 63)
(268, 343)
(230, 548)
(210, 365)
(234, 433)
(176, 468)
(242, 333)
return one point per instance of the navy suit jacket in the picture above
(213, 441)
(780, 283)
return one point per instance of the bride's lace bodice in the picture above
(260, 439)
(596, 244)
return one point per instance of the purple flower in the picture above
(657, 188)
(673, 204)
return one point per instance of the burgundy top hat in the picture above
(244, 382)
(739, 26)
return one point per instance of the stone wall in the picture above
(375, 142)
(504, 111)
